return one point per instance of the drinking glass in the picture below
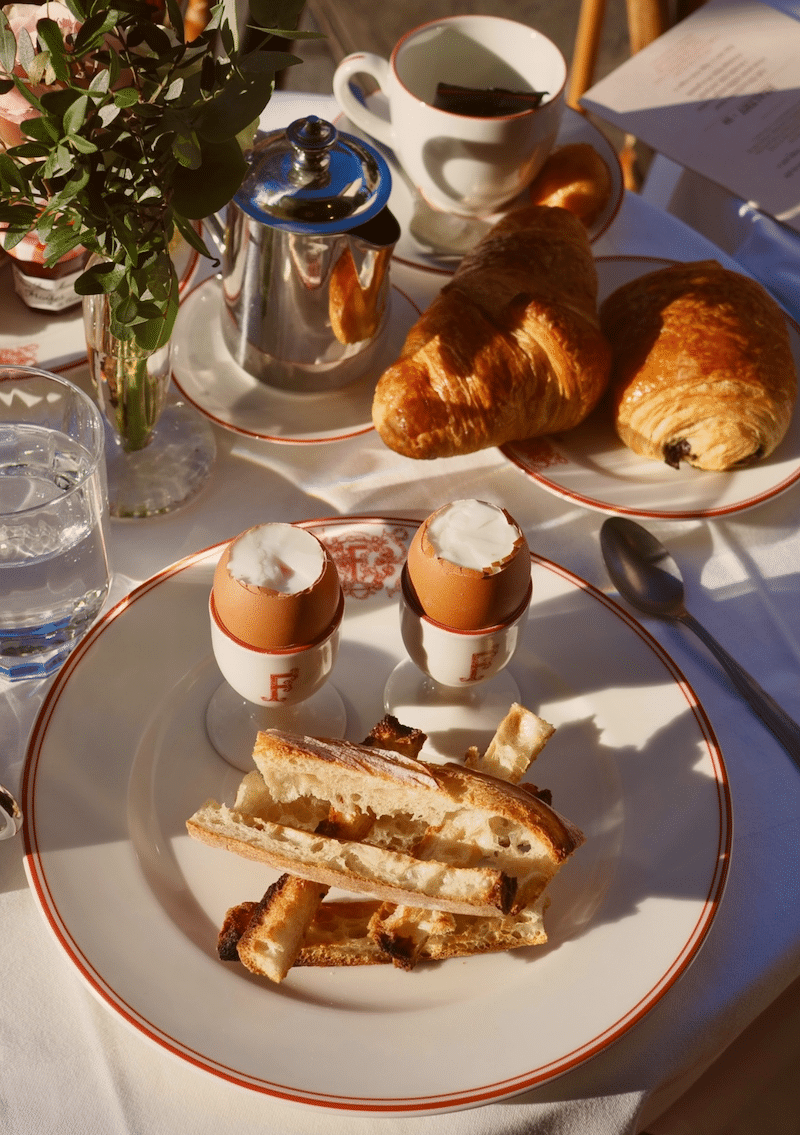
(54, 573)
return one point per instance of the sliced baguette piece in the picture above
(458, 816)
(353, 866)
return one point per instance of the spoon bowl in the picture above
(641, 568)
(646, 575)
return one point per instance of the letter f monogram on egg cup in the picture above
(272, 689)
(454, 685)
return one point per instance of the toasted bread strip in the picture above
(359, 867)
(233, 927)
(517, 742)
(274, 933)
(345, 933)
(336, 938)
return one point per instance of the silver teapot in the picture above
(306, 250)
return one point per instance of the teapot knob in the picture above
(311, 139)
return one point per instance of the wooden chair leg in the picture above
(587, 44)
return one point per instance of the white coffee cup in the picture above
(460, 163)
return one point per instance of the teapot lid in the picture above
(310, 178)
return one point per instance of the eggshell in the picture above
(467, 599)
(272, 620)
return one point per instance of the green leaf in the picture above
(188, 152)
(205, 190)
(50, 34)
(11, 238)
(8, 45)
(74, 185)
(60, 244)
(128, 96)
(25, 50)
(21, 217)
(102, 277)
(29, 150)
(108, 113)
(75, 116)
(59, 162)
(193, 237)
(9, 174)
(94, 30)
(100, 83)
(77, 7)
(81, 144)
(175, 16)
(266, 62)
(40, 129)
(39, 67)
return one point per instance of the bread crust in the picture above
(510, 348)
(437, 836)
(702, 367)
(341, 771)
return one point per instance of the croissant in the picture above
(509, 349)
(576, 178)
(702, 366)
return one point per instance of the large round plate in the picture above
(442, 239)
(590, 466)
(137, 905)
(35, 338)
(208, 376)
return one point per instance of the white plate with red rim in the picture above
(464, 233)
(136, 905)
(35, 338)
(208, 376)
(590, 466)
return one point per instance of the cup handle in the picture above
(363, 63)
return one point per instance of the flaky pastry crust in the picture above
(702, 367)
(509, 349)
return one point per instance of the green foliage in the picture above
(135, 139)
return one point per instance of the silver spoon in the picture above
(646, 575)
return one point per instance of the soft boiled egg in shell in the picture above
(276, 586)
(469, 566)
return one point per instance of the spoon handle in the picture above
(785, 729)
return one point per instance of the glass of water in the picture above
(54, 574)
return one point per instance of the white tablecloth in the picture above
(68, 1064)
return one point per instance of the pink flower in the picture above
(14, 107)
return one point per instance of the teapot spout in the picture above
(359, 284)
(380, 231)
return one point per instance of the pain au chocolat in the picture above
(702, 366)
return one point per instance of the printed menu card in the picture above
(720, 94)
